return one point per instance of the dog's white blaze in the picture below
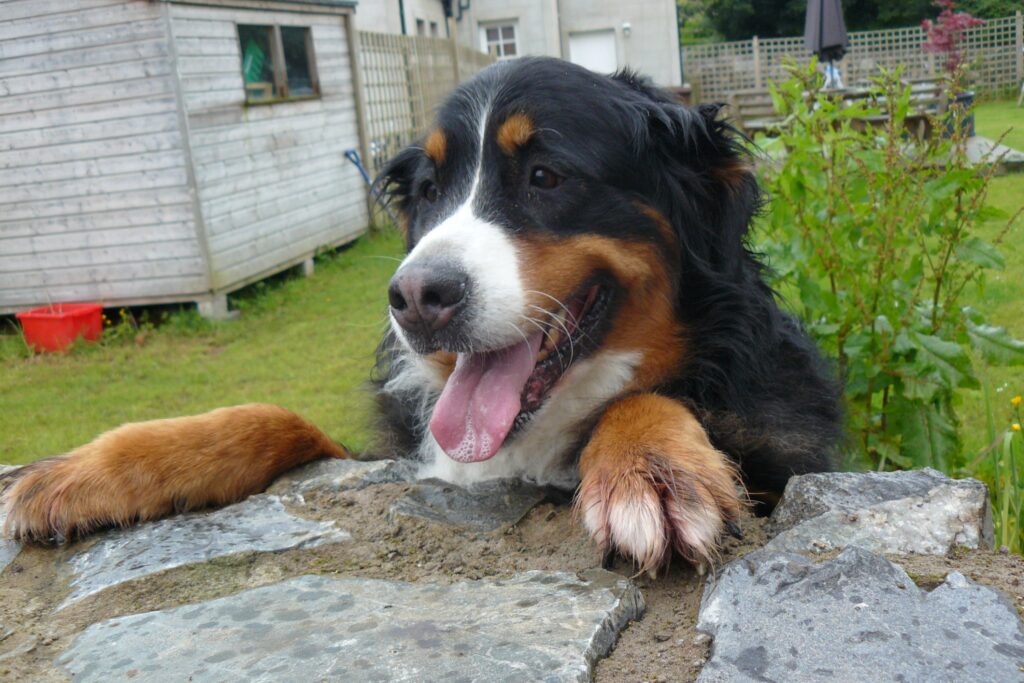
(540, 451)
(489, 258)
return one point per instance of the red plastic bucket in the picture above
(54, 328)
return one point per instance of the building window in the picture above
(434, 33)
(421, 27)
(499, 40)
(277, 63)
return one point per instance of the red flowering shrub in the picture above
(944, 35)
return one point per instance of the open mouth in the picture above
(491, 394)
(571, 336)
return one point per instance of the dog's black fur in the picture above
(752, 376)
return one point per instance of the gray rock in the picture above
(257, 524)
(920, 511)
(8, 549)
(485, 507)
(858, 617)
(330, 475)
(536, 626)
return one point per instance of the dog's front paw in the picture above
(651, 482)
(643, 513)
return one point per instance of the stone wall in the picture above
(349, 570)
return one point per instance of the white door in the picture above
(594, 50)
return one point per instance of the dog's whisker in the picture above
(561, 323)
(551, 325)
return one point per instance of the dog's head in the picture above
(555, 217)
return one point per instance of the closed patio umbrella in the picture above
(825, 36)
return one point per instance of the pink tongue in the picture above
(481, 400)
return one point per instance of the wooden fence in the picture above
(993, 49)
(404, 78)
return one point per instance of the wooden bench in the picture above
(753, 111)
(927, 101)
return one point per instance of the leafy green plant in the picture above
(871, 235)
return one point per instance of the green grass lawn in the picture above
(1001, 296)
(306, 344)
(992, 119)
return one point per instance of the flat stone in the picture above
(858, 617)
(485, 507)
(257, 524)
(8, 549)
(537, 626)
(919, 511)
(985, 151)
(331, 475)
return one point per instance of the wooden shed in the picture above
(170, 150)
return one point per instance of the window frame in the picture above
(280, 68)
(500, 24)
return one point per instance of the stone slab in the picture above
(257, 524)
(982, 150)
(485, 507)
(919, 511)
(537, 626)
(856, 618)
(8, 549)
(331, 475)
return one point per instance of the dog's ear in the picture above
(702, 172)
(393, 186)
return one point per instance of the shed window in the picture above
(277, 63)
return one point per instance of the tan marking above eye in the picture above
(436, 146)
(515, 132)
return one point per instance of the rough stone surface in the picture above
(858, 617)
(537, 626)
(485, 507)
(921, 511)
(331, 475)
(257, 524)
(8, 549)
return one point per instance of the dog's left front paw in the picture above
(651, 482)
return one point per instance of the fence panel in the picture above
(993, 50)
(404, 80)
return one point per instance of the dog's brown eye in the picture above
(544, 178)
(429, 191)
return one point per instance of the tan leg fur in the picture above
(146, 470)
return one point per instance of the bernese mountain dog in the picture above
(578, 307)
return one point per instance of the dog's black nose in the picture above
(424, 297)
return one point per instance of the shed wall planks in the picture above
(94, 200)
(131, 168)
(273, 177)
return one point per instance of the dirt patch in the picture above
(662, 646)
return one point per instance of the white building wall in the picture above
(543, 27)
(94, 196)
(651, 44)
(536, 24)
(385, 16)
(272, 179)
